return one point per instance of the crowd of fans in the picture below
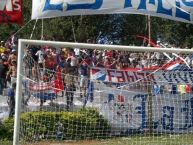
(8, 63)
(39, 61)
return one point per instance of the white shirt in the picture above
(74, 61)
(77, 51)
(40, 55)
(144, 62)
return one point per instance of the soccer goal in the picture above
(131, 95)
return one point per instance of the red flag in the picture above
(121, 99)
(11, 11)
(59, 86)
(188, 88)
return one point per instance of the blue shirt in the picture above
(11, 96)
(84, 70)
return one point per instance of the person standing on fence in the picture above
(11, 100)
(70, 88)
(12, 73)
(40, 54)
(28, 63)
(73, 62)
(84, 72)
(50, 61)
(12, 56)
(89, 94)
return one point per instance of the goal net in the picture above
(104, 95)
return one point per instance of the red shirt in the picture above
(50, 62)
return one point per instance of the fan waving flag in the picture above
(11, 11)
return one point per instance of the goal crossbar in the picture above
(105, 47)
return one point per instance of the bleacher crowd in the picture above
(40, 63)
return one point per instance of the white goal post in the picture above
(23, 43)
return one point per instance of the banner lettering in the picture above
(159, 77)
(11, 11)
(171, 9)
(129, 111)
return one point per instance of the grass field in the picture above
(138, 140)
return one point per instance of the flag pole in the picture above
(150, 97)
(149, 28)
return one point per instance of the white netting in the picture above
(145, 97)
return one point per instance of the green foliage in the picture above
(84, 124)
(6, 129)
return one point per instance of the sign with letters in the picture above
(128, 111)
(11, 11)
(159, 77)
(180, 10)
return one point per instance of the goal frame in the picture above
(23, 43)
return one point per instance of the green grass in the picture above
(137, 140)
(155, 140)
